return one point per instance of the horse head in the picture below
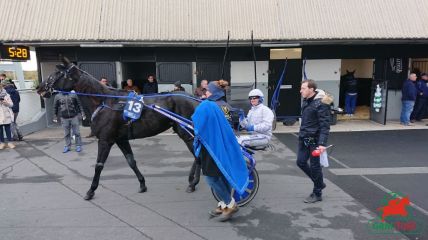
(64, 78)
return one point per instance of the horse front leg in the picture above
(104, 148)
(126, 149)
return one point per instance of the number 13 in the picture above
(134, 106)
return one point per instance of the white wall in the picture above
(242, 74)
(326, 73)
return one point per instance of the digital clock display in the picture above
(17, 53)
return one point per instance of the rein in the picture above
(127, 97)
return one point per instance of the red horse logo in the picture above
(395, 206)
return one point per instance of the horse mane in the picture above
(92, 85)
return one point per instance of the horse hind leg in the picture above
(125, 147)
(103, 152)
(194, 176)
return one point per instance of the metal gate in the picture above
(101, 69)
(211, 71)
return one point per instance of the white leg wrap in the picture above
(221, 204)
(231, 204)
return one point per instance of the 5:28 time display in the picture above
(15, 53)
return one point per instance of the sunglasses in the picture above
(252, 98)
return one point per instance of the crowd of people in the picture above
(414, 99)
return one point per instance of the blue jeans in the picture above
(350, 102)
(8, 133)
(406, 110)
(220, 187)
(313, 170)
(71, 124)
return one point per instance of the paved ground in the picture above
(367, 165)
(42, 193)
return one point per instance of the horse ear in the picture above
(60, 66)
(65, 60)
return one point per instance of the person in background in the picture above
(258, 121)
(6, 118)
(408, 98)
(422, 99)
(16, 99)
(200, 92)
(68, 108)
(104, 81)
(178, 87)
(351, 94)
(151, 86)
(131, 87)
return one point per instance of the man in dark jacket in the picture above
(408, 99)
(16, 99)
(351, 93)
(151, 86)
(313, 134)
(422, 98)
(68, 108)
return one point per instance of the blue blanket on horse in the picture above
(214, 132)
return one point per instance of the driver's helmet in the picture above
(256, 93)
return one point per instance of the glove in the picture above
(83, 117)
(55, 119)
(241, 116)
(250, 128)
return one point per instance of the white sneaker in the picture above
(2, 146)
(11, 145)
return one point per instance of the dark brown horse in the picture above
(108, 124)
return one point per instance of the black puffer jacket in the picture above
(316, 117)
(67, 105)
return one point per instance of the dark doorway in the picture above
(289, 97)
(138, 72)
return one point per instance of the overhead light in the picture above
(107, 45)
(271, 45)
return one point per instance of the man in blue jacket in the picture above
(421, 103)
(408, 99)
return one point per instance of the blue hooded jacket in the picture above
(409, 91)
(212, 130)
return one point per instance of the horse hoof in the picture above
(143, 189)
(190, 189)
(89, 196)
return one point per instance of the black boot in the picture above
(312, 198)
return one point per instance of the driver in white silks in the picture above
(258, 121)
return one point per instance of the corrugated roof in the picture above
(209, 20)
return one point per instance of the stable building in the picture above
(185, 40)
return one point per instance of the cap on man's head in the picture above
(177, 84)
